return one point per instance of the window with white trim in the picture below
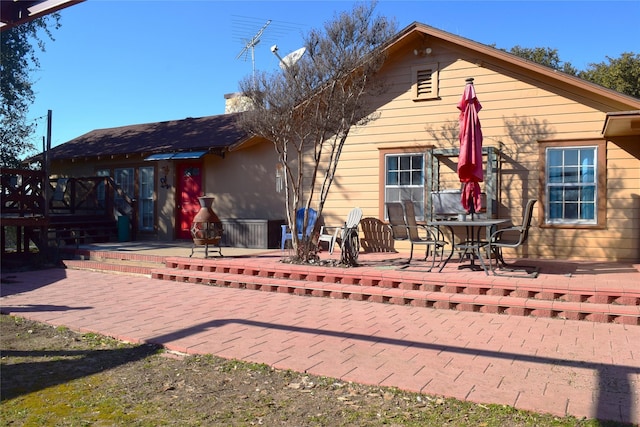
(146, 204)
(571, 179)
(404, 180)
(125, 179)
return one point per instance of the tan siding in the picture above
(244, 188)
(623, 202)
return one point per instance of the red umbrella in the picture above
(470, 161)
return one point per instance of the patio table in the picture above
(472, 244)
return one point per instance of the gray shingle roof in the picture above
(211, 133)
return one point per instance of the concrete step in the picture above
(110, 267)
(115, 262)
(120, 256)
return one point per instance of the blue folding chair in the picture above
(288, 235)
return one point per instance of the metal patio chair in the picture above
(420, 234)
(511, 237)
(402, 221)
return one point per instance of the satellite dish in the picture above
(289, 60)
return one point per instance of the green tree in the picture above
(544, 56)
(309, 108)
(18, 60)
(622, 74)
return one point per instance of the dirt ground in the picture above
(54, 376)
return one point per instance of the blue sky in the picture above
(121, 62)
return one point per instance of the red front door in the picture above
(188, 191)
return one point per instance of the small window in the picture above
(573, 190)
(425, 82)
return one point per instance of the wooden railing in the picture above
(90, 195)
(96, 195)
(24, 195)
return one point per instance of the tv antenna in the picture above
(290, 60)
(251, 45)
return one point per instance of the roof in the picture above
(220, 133)
(211, 134)
(14, 12)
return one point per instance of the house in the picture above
(541, 124)
(166, 166)
(572, 145)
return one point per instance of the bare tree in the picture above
(308, 110)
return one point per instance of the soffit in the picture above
(622, 123)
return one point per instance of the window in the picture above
(100, 190)
(124, 178)
(143, 191)
(425, 82)
(404, 180)
(146, 198)
(572, 191)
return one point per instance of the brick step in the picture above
(409, 281)
(377, 285)
(485, 303)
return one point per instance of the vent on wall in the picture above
(425, 82)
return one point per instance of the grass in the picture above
(56, 377)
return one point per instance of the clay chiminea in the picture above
(206, 228)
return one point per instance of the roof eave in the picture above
(249, 141)
(621, 124)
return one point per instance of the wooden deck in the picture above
(42, 214)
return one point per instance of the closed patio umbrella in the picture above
(470, 169)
